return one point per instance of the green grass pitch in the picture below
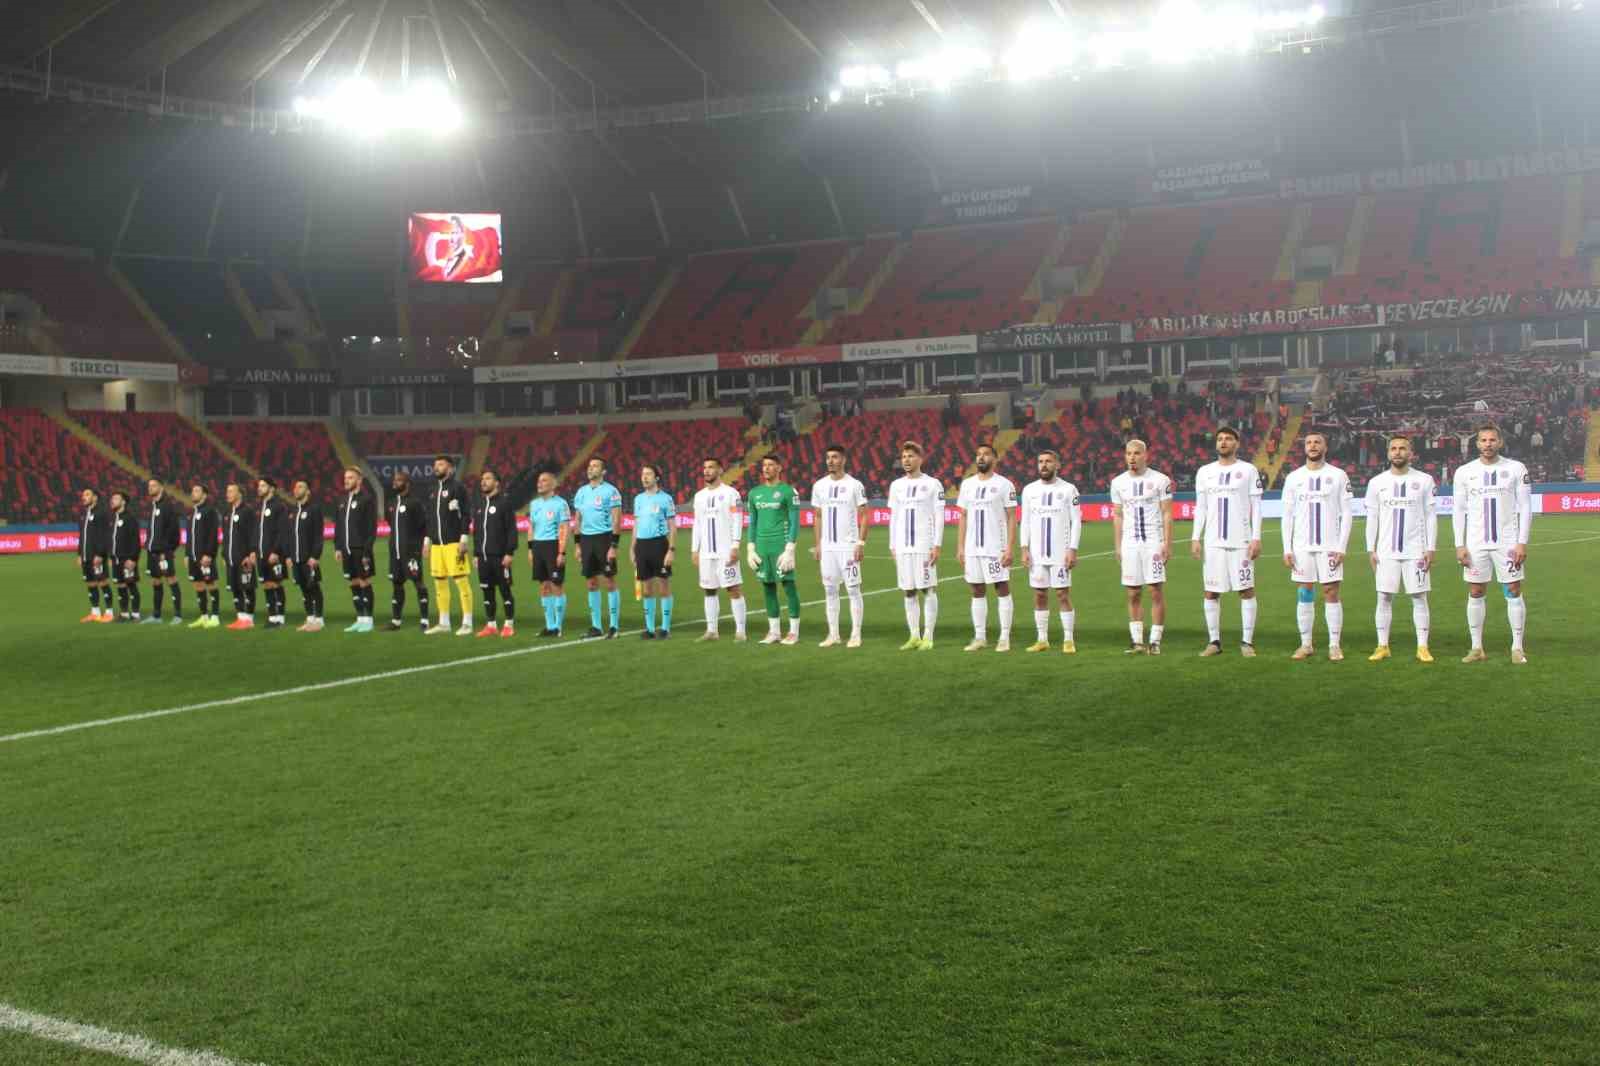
(641, 853)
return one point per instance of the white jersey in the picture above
(1227, 504)
(718, 522)
(1317, 511)
(1402, 515)
(837, 502)
(1051, 523)
(916, 514)
(1493, 506)
(987, 503)
(1139, 499)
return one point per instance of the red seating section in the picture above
(428, 442)
(679, 446)
(165, 445)
(512, 451)
(43, 468)
(873, 441)
(288, 452)
(91, 315)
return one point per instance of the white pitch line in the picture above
(129, 1046)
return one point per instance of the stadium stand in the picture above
(427, 442)
(43, 468)
(165, 445)
(513, 451)
(287, 452)
(679, 446)
(192, 300)
(85, 310)
(873, 440)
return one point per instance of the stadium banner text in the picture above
(1037, 338)
(261, 375)
(1205, 181)
(417, 467)
(74, 367)
(985, 204)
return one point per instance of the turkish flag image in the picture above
(454, 248)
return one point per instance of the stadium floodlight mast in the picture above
(358, 107)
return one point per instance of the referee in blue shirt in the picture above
(653, 522)
(550, 520)
(599, 520)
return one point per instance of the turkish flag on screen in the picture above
(447, 247)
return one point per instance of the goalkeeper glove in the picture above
(786, 560)
(752, 557)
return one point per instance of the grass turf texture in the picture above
(625, 852)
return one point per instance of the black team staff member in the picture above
(354, 531)
(125, 557)
(495, 523)
(238, 528)
(203, 534)
(94, 545)
(271, 545)
(408, 526)
(447, 511)
(161, 551)
(305, 554)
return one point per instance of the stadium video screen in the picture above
(450, 248)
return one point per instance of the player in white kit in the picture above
(1051, 528)
(1317, 516)
(988, 526)
(1227, 519)
(840, 504)
(916, 528)
(1141, 531)
(718, 528)
(1492, 516)
(1402, 533)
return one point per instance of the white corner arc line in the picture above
(128, 1046)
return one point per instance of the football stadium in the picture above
(697, 532)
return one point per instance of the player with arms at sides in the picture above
(714, 548)
(1227, 520)
(1402, 533)
(305, 554)
(1317, 516)
(238, 529)
(774, 531)
(161, 551)
(549, 525)
(408, 528)
(270, 548)
(599, 519)
(204, 531)
(916, 528)
(1051, 530)
(125, 557)
(840, 504)
(494, 522)
(448, 511)
(654, 533)
(988, 526)
(1141, 535)
(1492, 518)
(355, 528)
(94, 547)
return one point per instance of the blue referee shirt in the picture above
(594, 504)
(652, 515)
(547, 517)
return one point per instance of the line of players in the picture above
(268, 545)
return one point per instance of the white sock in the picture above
(1041, 623)
(444, 619)
(1069, 623)
(466, 620)
(1334, 614)
(1214, 620)
(1517, 615)
(713, 609)
(831, 608)
(1007, 612)
(913, 616)
(774, 626)
(1384, 617)
(857, 609)
(1477, 610)
(980, 618)
(1155, 632)
(739, 614)
(1421, 618)
(1306, 615)
(794, 627)
(1136, 632)
(930, 613)
(1247, 616)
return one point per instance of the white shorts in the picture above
(717, 573)
(841, 568)
(1141, 566)
(1491, 562)
(1049, 576)
(1316, 568)
(985, 570)
(1229, 570)
(915, 571)
(1395, 574)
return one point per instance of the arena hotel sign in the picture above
(1036, 338)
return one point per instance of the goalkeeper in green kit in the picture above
(774, 528)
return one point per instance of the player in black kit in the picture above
(161, 552)
(125, 557)
(408, 527)
(305, 553)
(94, 546)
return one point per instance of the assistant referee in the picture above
(599, 507)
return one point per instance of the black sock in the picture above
(510, 604)
(488, 602)
(158, 593)
(122, 599)
(177, 601)
(422, 600)
(133, 597)
(250, 599)
(397, 600)
(94, 596)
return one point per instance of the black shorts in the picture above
(125, 571)
(92, 571)
(158, 565)
(592, 550)
(240, 575)
(307, 573)
(650, 558)
(202, 573)
(406, 568)
(492, 571)
(277, 572)
(358, 564)
(544, 562)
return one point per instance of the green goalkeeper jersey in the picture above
(774, 517)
